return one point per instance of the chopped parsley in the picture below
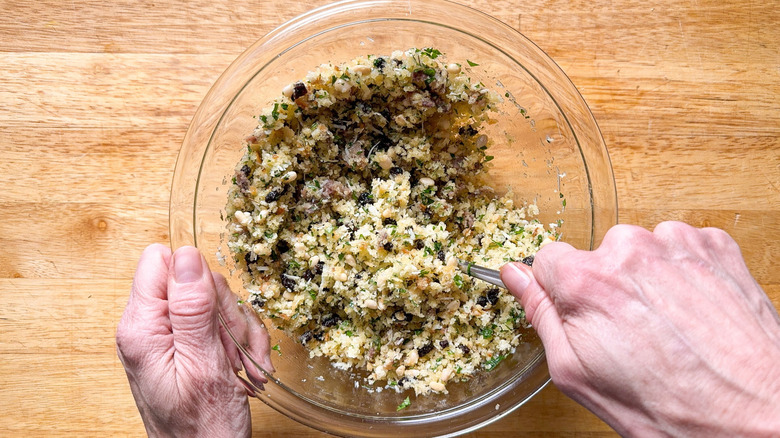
(458, 280)
(493, 362)
(404, 404)
(472, 64)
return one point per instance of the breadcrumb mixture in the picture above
(360, 188)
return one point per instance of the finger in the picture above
(540, 311)
(549, 269)
(144, 324)
(149, 292)
(259, 340)
(192, 309)
(228, 309)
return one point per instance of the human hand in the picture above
(180, 362)
(662, 333)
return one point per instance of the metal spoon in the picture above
(486, 274)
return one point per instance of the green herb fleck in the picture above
(431, 52)
(458, 280)
(488, 158)
(472, 64)
(404, 404)
(493, 362)
(277, 348)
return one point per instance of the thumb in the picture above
(539, 308)
(192, 308)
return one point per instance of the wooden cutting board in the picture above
(95, 98)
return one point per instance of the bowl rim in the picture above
(201, 121)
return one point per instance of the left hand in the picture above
(179, 360)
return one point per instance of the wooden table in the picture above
(96, 96)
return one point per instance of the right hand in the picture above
(662, 333)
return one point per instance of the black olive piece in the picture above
(386, 115)
(419, 244)
(298, 90)
(330, 320)
(464, 349)
(306, 337)
(467, 131)
(358, 276)
(288, 282)
(492, 296)
(282, 246)
(408, 317)
(258, 302)
(389, 221)
(364, 107)
(246, 170)
(250, 258)
(388, 246)
(444, 344)
(319, 335)
(383, 143)
(528, 260)
(308, 275)
(396, 170)
(482, 301)
(274, 194)
(398, 62)
(402, 381)
(425, 349)
(379, 63)
(365, 198)
(440, 255)
(318, 268)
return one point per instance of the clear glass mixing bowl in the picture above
(547, 145)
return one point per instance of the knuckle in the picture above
(673, 229)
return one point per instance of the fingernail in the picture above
(187, 265)
(515, 278)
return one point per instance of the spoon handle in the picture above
(485, 274)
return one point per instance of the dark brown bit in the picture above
(482, 301)
(365, 198)
(298, 90)
(444, 344)
(308, 275)
(306, 337)
(389, 221)
(274, 194)
(403, 381)
(419, 244)
(379, 63)
(492, 296)
(468, 131)
(425, 349)
(408, 317)
(258, 302)
(464, 349)
(288, 282)
(330, 320)
(388, 246)
(282, 246)
(440, 255)
(318, 268)
(528, 260)
(250, 258)
(246, 170)
(396, 170)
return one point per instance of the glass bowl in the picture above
(548, 149)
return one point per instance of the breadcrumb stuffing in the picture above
(361, 186)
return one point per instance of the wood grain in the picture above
(95, 98)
